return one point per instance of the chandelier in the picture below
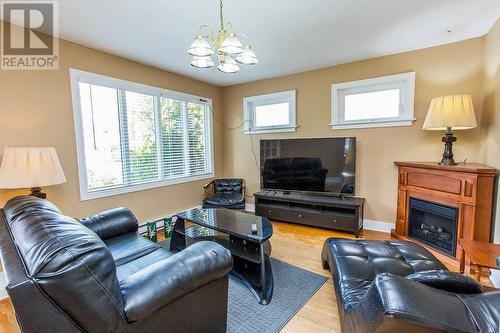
(225, 45)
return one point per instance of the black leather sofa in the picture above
(399, 286)
(225, 193)
(304, 173)
(99, 275)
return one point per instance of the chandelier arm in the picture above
(247, 40)
(207, 27)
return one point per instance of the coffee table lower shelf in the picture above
(251, 263)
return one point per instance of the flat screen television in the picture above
(324, 165)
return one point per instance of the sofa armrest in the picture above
(158, 285)
(392, 301)
(111, 223)
(452, 282)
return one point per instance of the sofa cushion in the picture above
(224, 199)
(129, 246)
(126, 269)
(355, 263)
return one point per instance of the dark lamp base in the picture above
(37, 192)
(448, 140)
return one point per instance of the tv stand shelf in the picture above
(339, 213)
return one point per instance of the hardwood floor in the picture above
(297, 245)
(301, 246)
(7, 319)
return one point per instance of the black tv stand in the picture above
(332, 212)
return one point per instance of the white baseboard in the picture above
(250, 207)
(378, 226)
(367, 224)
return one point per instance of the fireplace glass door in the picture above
(434, 224)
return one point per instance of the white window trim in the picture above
(77, 76)
(404, 81)
(280, 97)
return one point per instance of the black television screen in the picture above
(309, 165)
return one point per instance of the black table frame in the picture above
(251, 263)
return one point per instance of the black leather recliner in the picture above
(225, 193)
(99, 275)
(399, 286)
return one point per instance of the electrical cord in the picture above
(249, 133)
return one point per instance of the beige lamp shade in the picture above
(454, 111)
(25, 167)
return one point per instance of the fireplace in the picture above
(434, 225)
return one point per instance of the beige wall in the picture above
(491, 113)
(36, 110)
(449, 69)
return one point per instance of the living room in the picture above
(207, 126)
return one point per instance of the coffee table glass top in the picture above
(231, 222)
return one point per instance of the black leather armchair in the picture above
(99, 275)
(225, 193)
(399, 286)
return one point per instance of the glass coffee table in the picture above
(233, 230)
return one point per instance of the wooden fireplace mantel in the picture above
(466, 186)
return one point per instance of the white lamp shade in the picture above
(454, 111)
(228, 65)
(25, 167)
(247, 57)
(231, 45)
(202, 62)
(200, 47)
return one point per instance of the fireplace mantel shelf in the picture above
(467, 187)
(475, 168)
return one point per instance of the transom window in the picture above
(132, 137)
(270, 113)
(379, 102)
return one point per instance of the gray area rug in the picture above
(293, 287)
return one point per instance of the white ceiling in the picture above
(288, 36)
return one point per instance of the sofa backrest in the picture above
(69, 263)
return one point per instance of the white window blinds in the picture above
(130, 138)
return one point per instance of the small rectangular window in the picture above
(133, 137)
(270, 113)
(379, 102)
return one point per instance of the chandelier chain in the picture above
(221, 4)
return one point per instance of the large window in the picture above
(270, 113)
(379, 102)
(132, 137)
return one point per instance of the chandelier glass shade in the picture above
(225, 45)
(202, 62)
(228, 65)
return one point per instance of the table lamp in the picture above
(27, 167)
(450, 113)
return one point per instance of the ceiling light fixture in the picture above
(225, 45)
